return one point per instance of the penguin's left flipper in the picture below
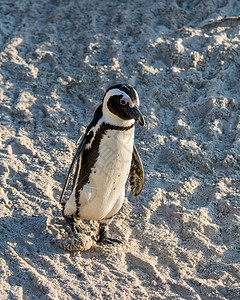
(136, 174)
(80, 147)
(78, 151)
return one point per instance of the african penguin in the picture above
(106, 157)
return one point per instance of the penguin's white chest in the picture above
(103, 195)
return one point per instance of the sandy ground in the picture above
(181, 236)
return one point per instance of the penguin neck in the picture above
(112, 119)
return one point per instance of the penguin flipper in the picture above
(136, 174)
(96, 118)
(77, 153)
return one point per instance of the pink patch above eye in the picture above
(124, 101)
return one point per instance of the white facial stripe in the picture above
(115, 92)
(137, 102)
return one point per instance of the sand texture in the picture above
(181, 235)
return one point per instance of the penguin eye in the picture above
(123, 102)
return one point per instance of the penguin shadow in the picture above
(32, 236)
(25, 235)
(28, 253)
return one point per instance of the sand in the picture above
(181, 235)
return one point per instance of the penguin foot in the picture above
(103, 239)
(75, 229)
(108, 241)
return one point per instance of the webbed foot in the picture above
(108, 241)
(103, 239)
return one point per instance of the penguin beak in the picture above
(137, 115)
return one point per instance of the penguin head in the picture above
(121, 104)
